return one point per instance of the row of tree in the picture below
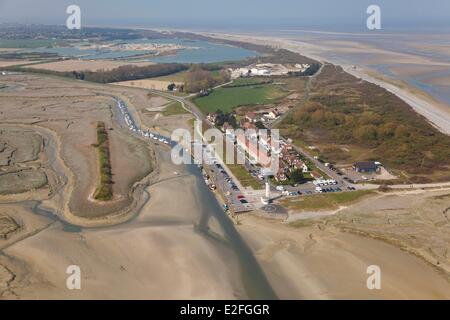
(129, 72)
(222, 117)
(198, 79)
(122, 73)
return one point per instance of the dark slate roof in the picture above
(366, 165)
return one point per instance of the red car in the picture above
(240, 197)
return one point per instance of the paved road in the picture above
(187, 104)
(331, 173)
(236, 199)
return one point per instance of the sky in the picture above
(231, 14)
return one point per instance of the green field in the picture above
(226, 99)
(249, 81)
(104, 190)
(174, 77)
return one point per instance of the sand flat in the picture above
(159, 255)
(313, 264)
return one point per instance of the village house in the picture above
(366, 167)
(284, 153)
(255, 153)
(316, 175)
(248, 125)
(251, 116)
(282, 175)
(226, 126)
(288, 147)
(291, 159)
(273, 114)
(300, 165)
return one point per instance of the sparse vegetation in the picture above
(122, 73)
(200, 78)
(344, 111)
(104, 191)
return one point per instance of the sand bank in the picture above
(324, 263)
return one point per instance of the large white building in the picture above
(267, 69)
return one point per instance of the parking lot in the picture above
(236, 200)
(134, 128)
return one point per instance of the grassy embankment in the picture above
(326, 201)
(104, 191)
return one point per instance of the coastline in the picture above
(434, 111)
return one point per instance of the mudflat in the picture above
(174, 249)
(68, 111)
(319, 260)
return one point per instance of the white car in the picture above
(279, 188)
